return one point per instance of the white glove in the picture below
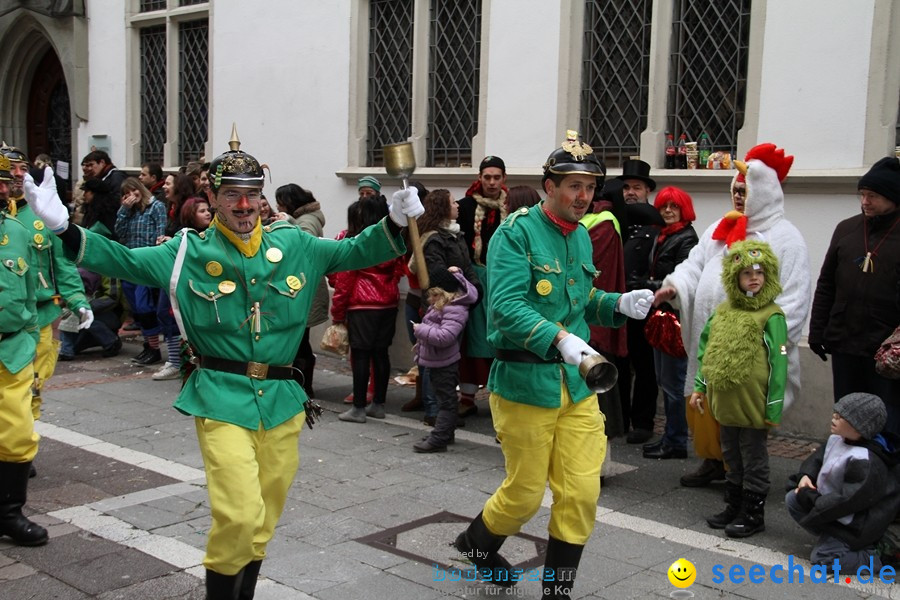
(635, 304)
(574, 349)
(87, 317)
(405, 203)
(45, 202)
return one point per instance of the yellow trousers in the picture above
(248, 474)
(563, 446)
(45, 357)
(18, 441)
(705, 429)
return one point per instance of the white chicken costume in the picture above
(697, 280)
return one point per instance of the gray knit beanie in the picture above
(865, 412)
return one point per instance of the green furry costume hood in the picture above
(742, 255)
(734, 334)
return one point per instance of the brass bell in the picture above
(599, 374)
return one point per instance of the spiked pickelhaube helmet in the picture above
(235, 167)
(574, 157)
(12, 153)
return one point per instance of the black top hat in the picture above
(637, 169)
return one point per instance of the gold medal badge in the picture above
(214, 268)
(38, 238)
(274, 255)
(227, 286)
(22, 264)
(293, 283)
(544, 287)
(39, 225)
(5, 240)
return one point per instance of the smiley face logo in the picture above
(682, 573)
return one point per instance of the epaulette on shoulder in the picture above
(278, 225)
(511, 219)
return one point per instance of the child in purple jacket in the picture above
(438, 335)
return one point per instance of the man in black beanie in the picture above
(856, 305)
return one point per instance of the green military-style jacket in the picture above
(242, 308)
(18, 315)
(541, 282)
(53, 271)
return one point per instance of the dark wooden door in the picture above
(49, 114)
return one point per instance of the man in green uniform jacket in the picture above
(57, 278)
(541, 299)
(241, 293)
(18, 338)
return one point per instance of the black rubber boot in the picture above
(248, 584)
(752, 517)
(562, 561)
(222, 587)
(13, 493)
(480, 546)
(732, 507)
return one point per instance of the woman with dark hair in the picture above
(521, 196)
(196, 213)
(100, 207)
(139, 222)
(178, 188)
(366, 299)
(304, 211)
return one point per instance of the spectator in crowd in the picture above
(303, 210)
(178, 188)
(366, 300)
(196, 213)
(521, 196)
(140, 221)
(103, 294)
(481, 212)
(846, 493)
(672, 247)
(153, 179)
(99, 165)
(857, 300)
(101, 208)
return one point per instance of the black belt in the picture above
(526, 357)
(253, 370)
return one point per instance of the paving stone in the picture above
(122, 568)
(175, 586)
(63, 551)
(39, 587)
(316, 571)
(15, 570)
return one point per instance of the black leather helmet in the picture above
(235, 167)
(13, 153)
(574, 157)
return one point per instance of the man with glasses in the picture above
(695, 287)
(241, 293)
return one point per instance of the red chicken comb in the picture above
(773, 157)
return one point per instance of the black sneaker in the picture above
(153, 357)
(143, 355)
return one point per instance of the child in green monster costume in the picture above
(741, 377)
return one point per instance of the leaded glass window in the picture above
(390, 76)
(59, 123)
(615, 75)
(151, 5)
(708, 70)
(191, 2)
(453, 82)
(153, 93)
(193, 48)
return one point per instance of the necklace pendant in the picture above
(868, 266)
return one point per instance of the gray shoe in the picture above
(354, 415)
(375, 410)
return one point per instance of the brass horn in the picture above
(599, 374)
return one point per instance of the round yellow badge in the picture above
(214, 268)
(5, 240)
(544, 287)
(39, 225)
(274, 255)
(294, 283)
(38, 238)
(22, 263)
(227, 286)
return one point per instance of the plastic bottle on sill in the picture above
(704, 149)
(670, 152)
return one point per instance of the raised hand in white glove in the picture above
(635, 304)
(574, 349)
(87, 317)
(405, 203)
(45, 202)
